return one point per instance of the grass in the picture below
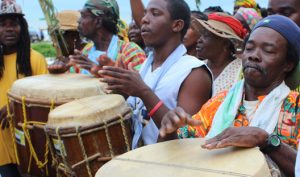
(45, 48)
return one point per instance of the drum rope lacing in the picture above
(86, 158)
(84, 152)
(108, 139)
(124, 132)
(12, 130)
(63, 152)
(33, 154)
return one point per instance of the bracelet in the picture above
(156, 107)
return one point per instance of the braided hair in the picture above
(23, 50)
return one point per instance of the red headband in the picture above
(233, 23)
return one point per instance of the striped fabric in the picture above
(128, 52)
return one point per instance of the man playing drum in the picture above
(17, 60)
(259, 111)
(100, 23)
(168, 78)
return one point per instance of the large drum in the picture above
(88, 132)
(185, 158)
(33, 98)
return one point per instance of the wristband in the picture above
(156, 107)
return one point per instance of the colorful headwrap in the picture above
(123, 30)
(97, 8)
(247, 4)
(250, 15)
(233, 23)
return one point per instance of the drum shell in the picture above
(95, 142)
(37, 109)
(38, 139)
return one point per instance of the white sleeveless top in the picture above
(166, 88)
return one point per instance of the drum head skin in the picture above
(185, 158)
(57, 88)
(88, 111)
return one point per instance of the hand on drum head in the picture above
(175, 119)
(124, 81)
(3, 118)
(58, 67)
(239, 137)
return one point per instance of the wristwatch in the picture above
(272, 143)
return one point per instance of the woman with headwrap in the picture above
(222, 35)
(248, 17)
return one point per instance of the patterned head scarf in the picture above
(123, 30)
(247, 4)
(98, 7)
(250, 16)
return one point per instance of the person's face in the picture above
(264, 58)
(134, 33)
(209, 45)
(87, 24)
(288, 8)
(191, 37)
(73, 41)
(10, 30)
(156, 24)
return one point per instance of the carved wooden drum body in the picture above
(88, 132)
(32, 99)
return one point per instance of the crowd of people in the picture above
(233, 78)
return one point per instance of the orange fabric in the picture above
(287, 129)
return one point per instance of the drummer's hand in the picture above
(82, 61)
(59, 67)
(3, 118)
(239, 137)
(175, 119)
(123, 80)
(103, 60)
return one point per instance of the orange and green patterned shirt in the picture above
(287, 128)
(128, 52)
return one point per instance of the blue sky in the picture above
(33, 12)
